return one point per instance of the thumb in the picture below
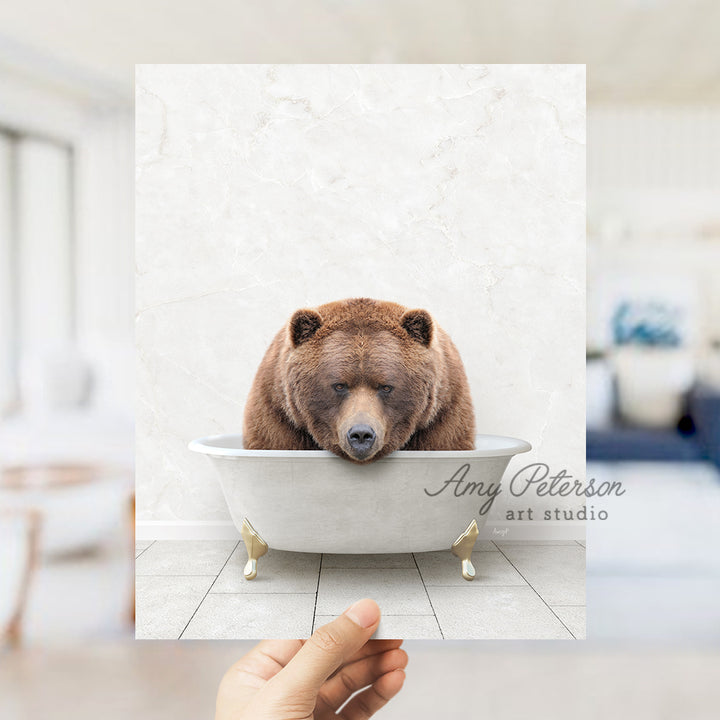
(328, 648)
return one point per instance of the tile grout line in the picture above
(293, 592)
(352, 567)
(144, 550)
(427, 594)
(572, 634)
(477, 587)
(208, 590)
(249, 594)
(531, 543)
(404, 615)
(317, 593)
(178, 575)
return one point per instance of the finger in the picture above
(358, 675)
(281, 651)
(365, 704)
(374, 647)
(328, 648)
(265, 660)
(251, 673)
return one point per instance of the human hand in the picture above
(311, 680)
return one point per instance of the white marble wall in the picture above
(261, 189)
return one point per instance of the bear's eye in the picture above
(386, 389)
(339, 387)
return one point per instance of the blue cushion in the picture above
(704, 403)
(626, 444)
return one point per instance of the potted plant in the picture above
(654, 367)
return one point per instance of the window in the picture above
(37, 267)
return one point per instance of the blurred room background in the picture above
(66, 346)
(66, 338)
(653, 368)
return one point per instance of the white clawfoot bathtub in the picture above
(314, 501)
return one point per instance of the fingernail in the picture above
(364, 613)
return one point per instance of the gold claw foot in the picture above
(463, 548)
(256, 547)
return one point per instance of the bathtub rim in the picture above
(204, 445)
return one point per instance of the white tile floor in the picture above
(196, 590)
(653, 567)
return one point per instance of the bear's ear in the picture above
(303, 325)
(419, 325)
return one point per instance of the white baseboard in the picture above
(225, 530)
(186, 530)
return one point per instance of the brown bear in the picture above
(360, 378)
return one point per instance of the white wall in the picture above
(654, 183)
(263, 189)
(105, 256)
(8, 385)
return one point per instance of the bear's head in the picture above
(361, 375)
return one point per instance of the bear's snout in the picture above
(361, 438)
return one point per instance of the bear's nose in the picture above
(361, 437)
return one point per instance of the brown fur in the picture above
(366, 345)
